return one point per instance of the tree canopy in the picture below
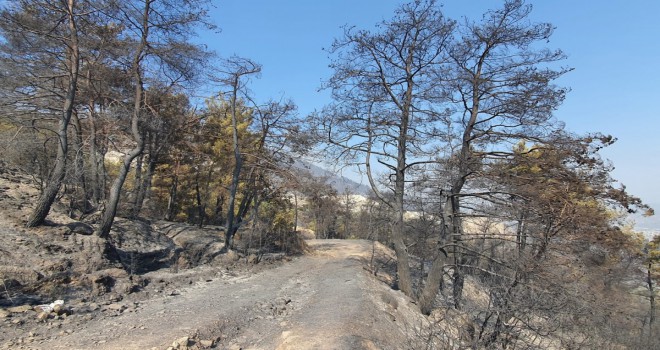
(474, 180)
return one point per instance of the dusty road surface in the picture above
(326, 299)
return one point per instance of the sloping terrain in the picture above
(324, 300)
(172, 288)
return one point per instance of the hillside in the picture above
(323, 300)
(150, 195)
(337, 181)
(170, 283)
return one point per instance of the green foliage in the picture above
(194, 176)
(566, 185)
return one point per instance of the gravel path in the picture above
(323, 300)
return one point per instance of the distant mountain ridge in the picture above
(649, 226)
(340, 183)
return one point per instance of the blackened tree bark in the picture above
(504, 92)
(48, 46)
(471, 95)
(163, 29)
(110, 211)
(235, 70)
(81, 201)
(51, 189)
(385, 84)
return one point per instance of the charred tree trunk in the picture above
(145, 187)
(521, 235)
(115, 191)
(50, 191)
(82, 190)
(218, 216)
(230, 231)
(456, 231)
(237, 68)
(436, 273)
(649, 281)
(465, 160)
(295, 212)
(96, 158)
(433, 283)
(404, 278)
(403, 260)
(171, 202)
(137, 183)
(201, 207)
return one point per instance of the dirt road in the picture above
(323, 300)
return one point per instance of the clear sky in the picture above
(613, 45)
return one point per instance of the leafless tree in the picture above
(236, 70)
(46, 59)
(386, 87)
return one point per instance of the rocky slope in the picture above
(172, 289)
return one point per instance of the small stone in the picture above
(116, 307)
(206, 343)
(19, 309)
(4, 313)
(80, 228)
(43, 316)
(181, 342)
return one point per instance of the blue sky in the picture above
(614, 47)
